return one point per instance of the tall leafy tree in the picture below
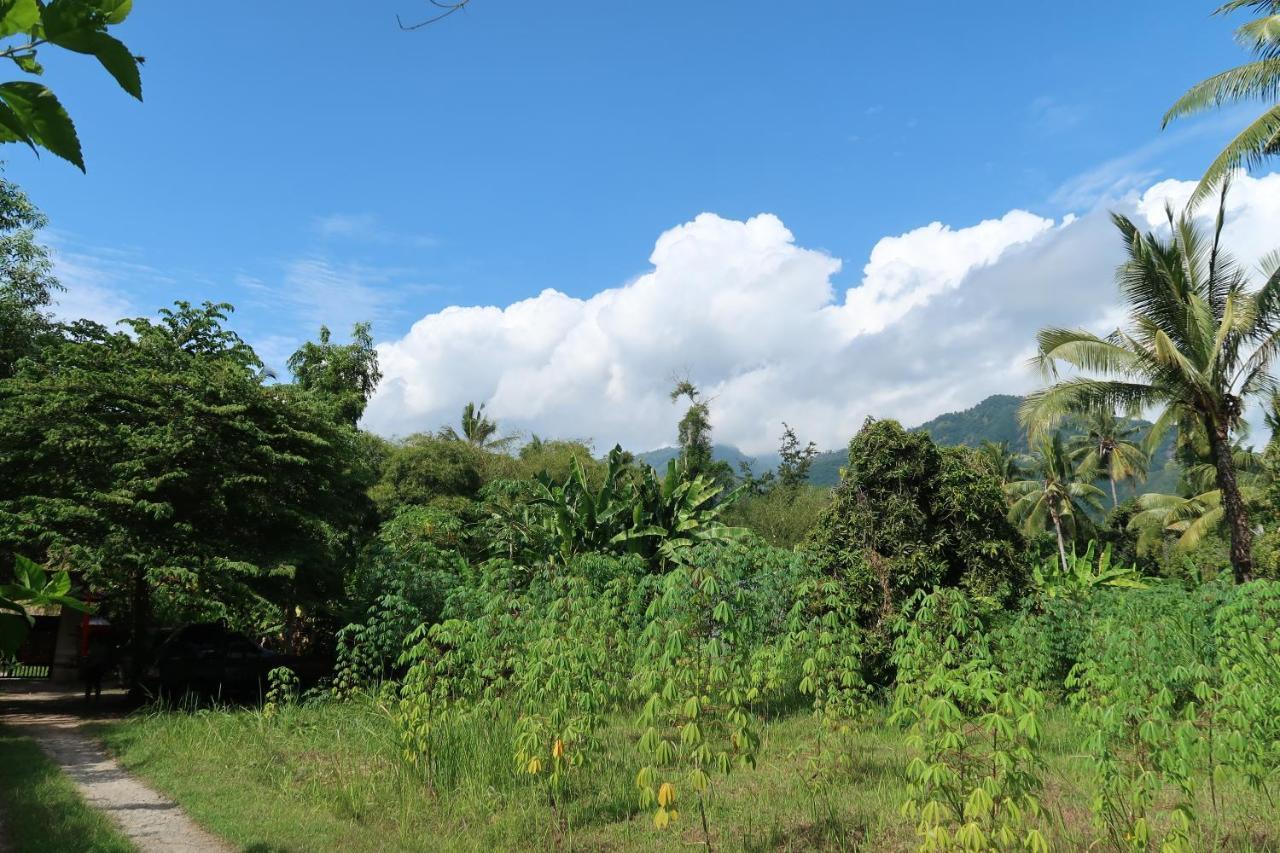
(27, 283)
(1054, 497)
(1198, 343)
(162, 466)
(694, 431)
(1258, 80)
(345, 374)
(793, 469)
(29, 111)
(909, 515)
(1107, 447)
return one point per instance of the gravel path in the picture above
(150, 820)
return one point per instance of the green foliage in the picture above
(910, 516)
(412, 579)
(572, 673)
(1083, 575)
(344, 374)
(553, 651)
(27, 284)
(781, 517)
(1246, 631)
(162, 465)
(828, 633)
(694, 429)
(1199, 342)
(29, 112)
(794, 460)
(631, 511)
(1254, 80)
(31, 586)
(282, 690)
(478, 430)
(1055, 497)
(976, 781)
(692, 679)
(555, 458)
(1108, 447)
(425, 467)
(1143, 666)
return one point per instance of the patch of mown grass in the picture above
(40, 809)
(328, 776)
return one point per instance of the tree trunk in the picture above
(140, 641)
(1233, 508)
(1115, 501)
(1062, 548)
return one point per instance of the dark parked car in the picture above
(210, 660)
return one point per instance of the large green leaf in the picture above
(44, 120)
(77, 27)
(114, 10)
(17, 16)
(111, 52)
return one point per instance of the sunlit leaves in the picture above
(32, 114)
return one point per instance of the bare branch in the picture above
(449, 9)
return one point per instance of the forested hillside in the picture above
(995, 419)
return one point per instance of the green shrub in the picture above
(909, 516)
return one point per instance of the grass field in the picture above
(40, 810)
(328, 776)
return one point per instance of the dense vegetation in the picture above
(1056, 631)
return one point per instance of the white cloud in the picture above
(1051, 116)
(942, 317)
(96, 280)
(367, 228)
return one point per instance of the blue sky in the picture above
(313, 163)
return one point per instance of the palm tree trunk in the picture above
(1115, 501)
(1237, 516)
(1062, 548)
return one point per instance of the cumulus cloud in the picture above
(942, 317)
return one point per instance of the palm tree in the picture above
(1198, 343)
(1006, 464)
(1257, 80)
(1055, 496)
(1192, 517)
(1106, 448)
(477, 430)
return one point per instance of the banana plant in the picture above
(634, 511)
(676, 513)
(1083, 575)
(585, 518)
(32, 586)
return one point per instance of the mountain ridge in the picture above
(994, 418)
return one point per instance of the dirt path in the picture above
(150, 820)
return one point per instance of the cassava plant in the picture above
(693, 681)
(974, 780)
(572, 673)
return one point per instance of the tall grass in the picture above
(329, 775)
